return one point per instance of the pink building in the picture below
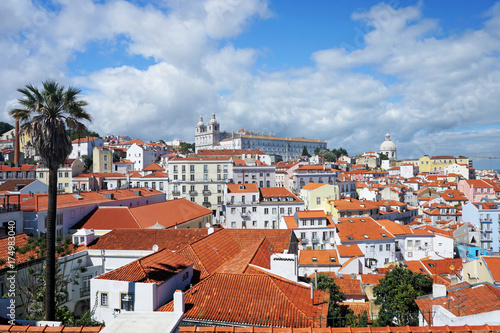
(476, 189)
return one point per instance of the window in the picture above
(127, 301)
(233, 210)
(175, 169)
(183, 188)
(302, 235)
(41, 174)
(274, 210)
(205, 178)
(192, 178)
(183, 168)
(104, 299)
(312, 221)
(219, 188)
(85, 286)
(205, 168)
(254, 209)
(193, 199)
(60, 174)
(254, 223)
(233, 224)
(314, 259)
(161, 186)
(185, 276)
(266, 224)
(60, 186)
(380, 247)
(266, 211)
(66, 184)
(191, 168)
(318, 200)
(387, 247)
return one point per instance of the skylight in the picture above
(351, 221)
(314, 259)
(362, 220)
(349, 237)
(366, 236)
(384, 235)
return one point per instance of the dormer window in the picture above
(242, 187)
(384, 235)
(351, 221)
(314, 259)
(333, 259)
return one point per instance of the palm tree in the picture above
(46, 115)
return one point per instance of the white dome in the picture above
(387, 145)
(213, 120)
(200, 123)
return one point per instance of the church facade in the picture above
(209, 136)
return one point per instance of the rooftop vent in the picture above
(137, 192)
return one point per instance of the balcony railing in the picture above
(85, 291)
(176, 193)
(304, 240)
(206, 192)
(315, 240)
(193, 193)
(206, 204)
(245, 214)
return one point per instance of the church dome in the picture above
(200, 123)
(213, 120)
(388, 147)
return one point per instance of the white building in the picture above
(250, 207)
(314, 229)
(388, 148)
(84, 146)
(210, 137)
(143, 285)
(143, 156)
(313, 174)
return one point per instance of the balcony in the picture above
(193, 193)
(176, 193)
(85, 291)
(207, 192)
(245, 214)
(304, 241)
(206, 204)
(315, 240)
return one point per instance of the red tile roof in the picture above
(350, 287)
(494, 266)
(312, 186)
(361, 229)
(87, 139)
(144, 239)
(349, 250)
(153, 167)
(229, 152)
(322, 257)
(373, 279)
(463, 300)
(276, 192)
(154, 268)
(39, 202)
(242, 188)
(53, 329)
(167, 213)
(269, 300)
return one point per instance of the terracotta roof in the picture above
(494, 266)
(239, 162)
(464, 300)
(290, 222)
(312, 186)
(144, 239)
(153, 167)
(167, 213)
(87, 139)
(311, 214)
(399, 229)
(11, 184)
(416, 266)
(275, 192)
(318, 257)
(242, 188)
(32, 251)
(354, 204)
(156, 174)
(154, 268)
(22, 167)
(316, 167)
(53, 329)
(39, 201)
(179, 159)
(358, 308)
(349, 250)
(349, 286)
(443, 266)
(268, 298)
(136, 141)
(370, 329)
(373, 279)
(361, 229)
(258, 254)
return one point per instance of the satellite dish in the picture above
(207, 225)
(452, 267)
(155, 248)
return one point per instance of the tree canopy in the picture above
(187, 147)
(326, 283)
(396, 293)
(331, 155)
(5, 127)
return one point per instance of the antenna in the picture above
(155, 248)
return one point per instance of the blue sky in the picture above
(342, 71)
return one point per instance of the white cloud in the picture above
(403, 75)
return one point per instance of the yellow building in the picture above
(484, 269)
(26, 145)
(438, 163)
(316, 195)
(65, 174)
(102, 160)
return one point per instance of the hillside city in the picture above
(251, 231)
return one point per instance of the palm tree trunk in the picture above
(50, 261)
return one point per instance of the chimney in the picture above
(16, 143)
(312, 295)
(438, 290)
(179, 301)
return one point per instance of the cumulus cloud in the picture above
(401, 73)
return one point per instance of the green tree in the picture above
(396, 293)
(326, 283)
(46, 115)
(383, 157)
(73, 135)
(186, 147)
(88, 162)
(305, 152)
(5, 127)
